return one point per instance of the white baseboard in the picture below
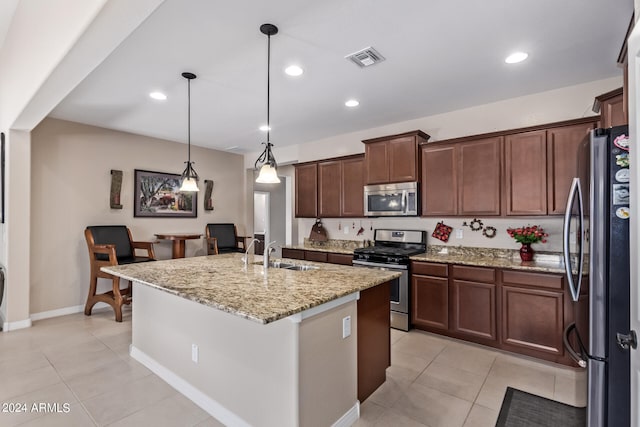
(214, 408)
(12, 326)
(350, 417)
(58, 312)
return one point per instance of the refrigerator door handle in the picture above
(580, 359)
(575, 193)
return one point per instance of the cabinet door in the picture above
(563, 145)
(526, 173)
(292, 253)
(315, 256)
(439, 181)
(343, 259)
(403, 159)
(479, 177)
(613, 112)
(329, 184)
(307, 190)
(377, 162)
(430, 302)
(474, 309)
(532, 319)
(353, 187)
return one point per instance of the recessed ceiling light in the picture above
(158, 95)
(264, 128)
(294, 70)
(352, 103)
(516, 57)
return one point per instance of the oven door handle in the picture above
(379, 266)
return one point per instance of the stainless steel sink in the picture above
(289, 266)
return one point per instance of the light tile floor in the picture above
(82, 364)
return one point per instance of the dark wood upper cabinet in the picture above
(352, 187)
(377, 169)
(329, 188)
(479, 175)
(563, 151)
(393, 158)
(613, 111)
(306, 190)
(439, 180)
(526, 173)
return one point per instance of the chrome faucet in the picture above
(245, 259)
(265, 256)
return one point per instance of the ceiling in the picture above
(441, 55)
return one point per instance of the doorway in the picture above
(270, 215)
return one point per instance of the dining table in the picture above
(178, 240)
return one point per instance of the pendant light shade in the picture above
(266, 162)
(189, 176)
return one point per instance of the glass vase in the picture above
(526, 252)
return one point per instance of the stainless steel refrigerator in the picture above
(597, 218)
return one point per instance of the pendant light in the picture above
(268, 171)
(189, 176)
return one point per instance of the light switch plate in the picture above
(346, 327)
(459, 233)
(194, 353)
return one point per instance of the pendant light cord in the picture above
(189, 121)
(268, 85)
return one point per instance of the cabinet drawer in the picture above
(539, 280)
(343, 259)
(315, 256)
(430, 269)
(475, 274)
(292, 253)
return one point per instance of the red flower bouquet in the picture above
(528, 235)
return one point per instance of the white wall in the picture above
(70, 187)
(546, 107)
(48, 49)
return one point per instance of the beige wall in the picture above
(70, 184)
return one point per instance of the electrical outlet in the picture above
(346, 327)
(346, 230)
(459, 233)
(194, 353)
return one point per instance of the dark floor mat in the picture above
(522, 409)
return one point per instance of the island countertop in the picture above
(222, 282)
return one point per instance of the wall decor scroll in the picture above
(156, 194)
(208, 203)
(116, 186)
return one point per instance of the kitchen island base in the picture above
(298, 371)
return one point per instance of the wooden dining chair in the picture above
(223, 238)
(112, 245)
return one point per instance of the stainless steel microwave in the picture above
(391, 199)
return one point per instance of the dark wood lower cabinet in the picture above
(430, 302)
(514, 310)
(532, 319)
(474, 309)
(374, 339)
(343, 259)
(315, 256)
(292, 253)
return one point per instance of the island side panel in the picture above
(328, 366)
(248, 371)
(374, 339)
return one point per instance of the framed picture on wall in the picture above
(156, 195)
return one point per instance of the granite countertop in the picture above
(222, 282)
(545, 262)
(317, 248)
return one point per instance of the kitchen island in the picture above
(277, 349)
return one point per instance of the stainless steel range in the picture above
(391, 251)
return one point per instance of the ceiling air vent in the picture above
(366, 57)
